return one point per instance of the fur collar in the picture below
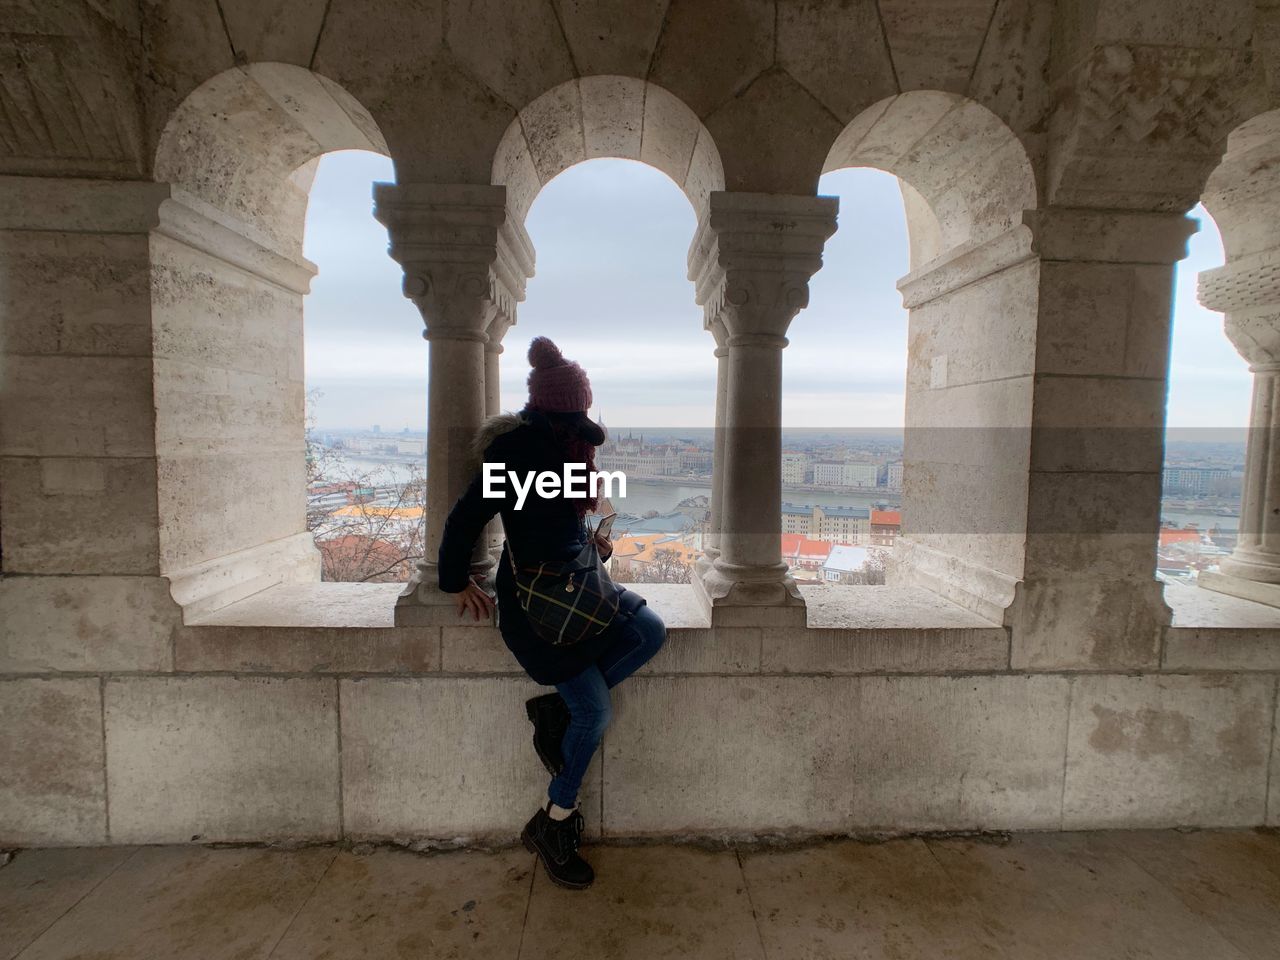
(490, 430)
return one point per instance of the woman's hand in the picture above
(604, 546)
(474, 599)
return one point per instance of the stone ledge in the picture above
(1214, 631)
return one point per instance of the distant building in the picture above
(1197, 481)
(893, 478)
(885, 527)
(796, 467)
(836, 524)
(843, 563)
(845, 473)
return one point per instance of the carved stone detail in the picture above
(465, 254)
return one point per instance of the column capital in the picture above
(1247, 290)
(465, 253)
(752, 257)
(1109, 236)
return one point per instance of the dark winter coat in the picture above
(544, 529)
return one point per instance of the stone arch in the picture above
(245, 143)
(966, 177)
(228, 280)
(1243, 197)
(606, 116)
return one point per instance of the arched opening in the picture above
(365, 389)
(228, 283)
(965, 182)
(611, 289)
(606, 116)
(843, 408)
(1243, 197)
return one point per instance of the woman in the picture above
(553, 429)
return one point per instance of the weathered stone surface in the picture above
(798, 127)
(52, 789)
(680, 902)
(1062, 895)
(838, 749)
(934, 46)
(389, 902)
(837, 53)
(54, 521)
(183, 902)
(898, 901)
(1230, 880)
(40, 886)
(404, 775)
(611, 36)
(1168, 750)
(884, 650)
(86, 624)
(222, 758)
(281, 30)
(710, 50)
(516, 48)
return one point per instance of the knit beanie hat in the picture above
(556, 385)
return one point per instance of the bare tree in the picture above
(367, 523)
(665, 567)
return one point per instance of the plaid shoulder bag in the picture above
(566, 601)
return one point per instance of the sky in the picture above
(611, 289)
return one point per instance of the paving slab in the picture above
(867, 901)
(395, 903)
(1068, 896)
(1230, 879)
(187, 903)
(648, 903)
(39, 886)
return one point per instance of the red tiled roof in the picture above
(887, 518)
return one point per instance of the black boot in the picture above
(549, 715)
(556, 844)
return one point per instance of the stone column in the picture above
(1088, 598)
(711, 544)
(751, 261)
(491, 543)
(1247, 290)
(466, 258)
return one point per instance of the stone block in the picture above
(222, 759)
(1083, 623)
(646, 902)
(711, 49)
(67, 406)
(190, 902)
(386, 902)
(86, 624)
(612, 116)
(690, 651)
(41, 886)
(713, 755)
(443, 758)
(1085, 423)
(285, 32)
(70, 294)
(837, 53)
(67, 515)
(553, 129)
(52, 790)
(475, 650)
(671, 130)
(243, 649)
(885, 650)
(935, 47)
(612, 37)
(1160, 751)
(517, 48)
(789, 133)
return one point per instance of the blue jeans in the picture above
(638, 637)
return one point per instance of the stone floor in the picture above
(1212, 895)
